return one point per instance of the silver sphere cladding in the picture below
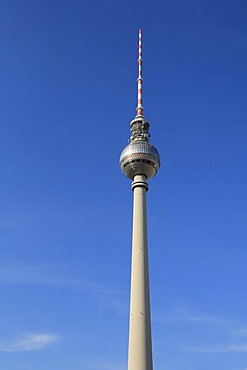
(140, 158)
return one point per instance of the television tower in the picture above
(139, 161)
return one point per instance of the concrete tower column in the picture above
(140, 344)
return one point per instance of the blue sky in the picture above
(68, 93)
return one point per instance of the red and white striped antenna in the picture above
(139, 79)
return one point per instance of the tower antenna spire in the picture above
(139, 79)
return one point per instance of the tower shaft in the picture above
(140, 345)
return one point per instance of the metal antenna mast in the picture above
(139, 79)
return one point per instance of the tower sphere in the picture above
(140, 157)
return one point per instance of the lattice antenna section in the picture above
(139, 79)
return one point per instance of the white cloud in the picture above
(29, 342)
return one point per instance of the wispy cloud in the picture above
(189, 318)
(181, 313)
(240, 332)
(108, 367)
(229, 335)
(105, 366)
(62, 278)
(193, 316)
(53, 277)
(221, 349)
(30, 342)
